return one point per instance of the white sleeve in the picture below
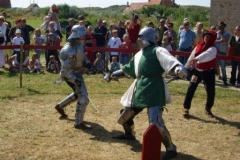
(207, 55)
(167, 61)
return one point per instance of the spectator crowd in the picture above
(120, 35)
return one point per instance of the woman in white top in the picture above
(3, 29)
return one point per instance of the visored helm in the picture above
(77, 31)
(148, 34)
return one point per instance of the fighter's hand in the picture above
(180, 71)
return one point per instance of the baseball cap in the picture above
(18, 31)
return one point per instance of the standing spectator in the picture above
(38, 41)
(17, 41)
(12, 31)
(182, 26)
(150, 24)
(121, 30)
(203, 58)
(69, 27)
(105, 23)
(167, 21)
(171, 36)
(89, 41)
(100, 35)
(81, 17)
(9, 26)
(57, 25)
(57, 35)
(27, 30)
(51, 42)
(187, 40)
(53, 65)
(3, 29)
(124, 59)
(114, 42)
(222, 46)
(235, 45)
(4, 14)
(198, 31)
(161, 29)
(133, 29)
(108, 37)
(217, 65)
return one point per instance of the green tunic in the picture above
(150, 89)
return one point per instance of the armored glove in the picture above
(180, 71)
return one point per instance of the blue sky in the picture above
(97, 3)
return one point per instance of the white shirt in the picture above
(114, 43)
(17, 41)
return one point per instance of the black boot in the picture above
(61, 111)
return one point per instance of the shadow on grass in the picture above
(8, 74)
(182, 156)
(103, 135)
(220, 120)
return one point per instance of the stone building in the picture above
(227, 11)
(5, 4)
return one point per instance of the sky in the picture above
(97, 3)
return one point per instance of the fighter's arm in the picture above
(170, 64)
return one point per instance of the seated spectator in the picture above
(114, 64)
(14, 63)
(35, 65)
(98, 65)
(53, 65)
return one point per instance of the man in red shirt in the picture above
(133, 29)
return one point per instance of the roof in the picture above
(139, 5)
(5, 4)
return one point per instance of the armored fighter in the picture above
(74, 64)
(149, 89)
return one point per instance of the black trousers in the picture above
(208, 78)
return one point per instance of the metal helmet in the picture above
(77, 31)
(149, 34)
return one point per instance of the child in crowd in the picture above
(14, 63)
(114, 64)
(52, 16)
(126, 44)
(17, 41)
(165, 43)
(50, 42)
(35, 65)
(38, 41)
(53, 65)
(114, 42)
(98, 65)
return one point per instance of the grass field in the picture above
(30, 128)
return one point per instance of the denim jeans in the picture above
(154, 114)
(222, 64)
(183, 59)
(235, 67)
